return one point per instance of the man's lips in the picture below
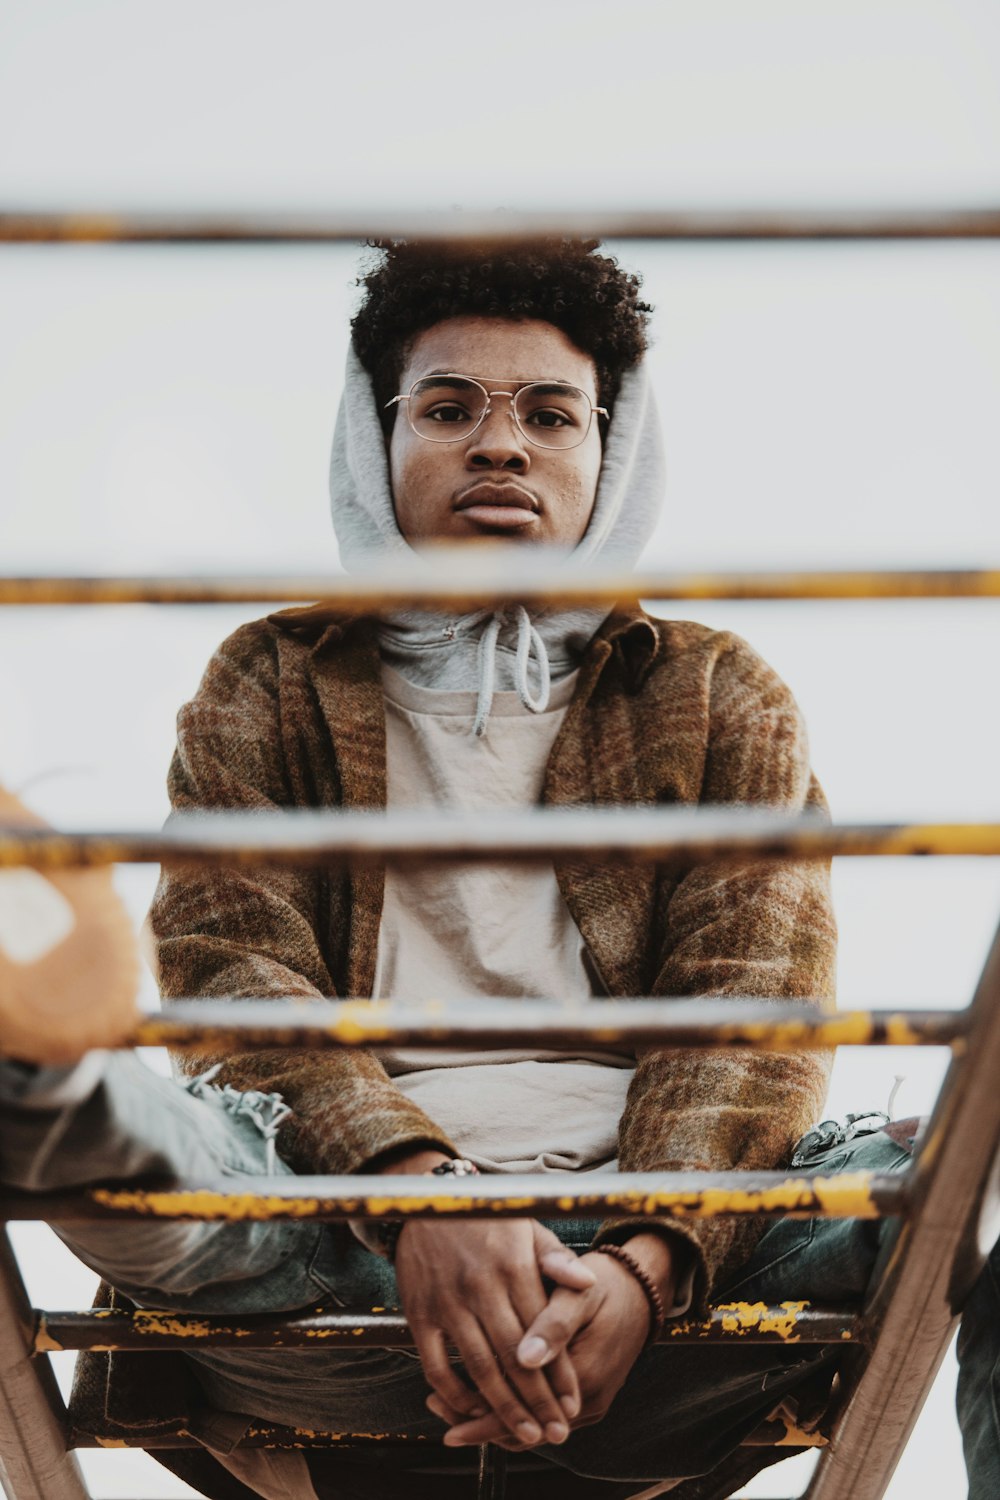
(504, 506)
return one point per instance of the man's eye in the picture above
(549, 416)
(447, 411)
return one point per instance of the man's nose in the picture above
(498, 442)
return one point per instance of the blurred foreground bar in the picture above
(262, 1025)
(321, 839)
(492, 228)
(481, 581)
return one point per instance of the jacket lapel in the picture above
(349, 692)
(597, 762)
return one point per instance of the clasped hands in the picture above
(540, 1364)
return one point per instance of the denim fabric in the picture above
(679, 1413)
(979, 1382)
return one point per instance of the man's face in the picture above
(494, 482)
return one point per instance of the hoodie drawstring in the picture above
(528, 641)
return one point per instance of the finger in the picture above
(557, 1262)
(553, 1329)
(448, 1414)
(441, 1374)
(487, 1430)
(565, 1383)
(567, 1270)
(560, 1372)
(505, 1329)
(475, 1346)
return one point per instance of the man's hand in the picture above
(603, 1328)
(477, 1284)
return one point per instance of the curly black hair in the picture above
(413, 285)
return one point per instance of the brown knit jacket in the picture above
(290, 714)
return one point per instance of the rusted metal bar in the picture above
(910, 1313)
(487, 228)
(609, 835)
(474, 587)
(34, 1463)
(260, 1435)
(774, 1025)
(116, 1329)
(557, 1195)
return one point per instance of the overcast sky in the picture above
(822, 405)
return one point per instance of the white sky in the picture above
(828, 405)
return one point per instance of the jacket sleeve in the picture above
(760, 929)
(255, 933)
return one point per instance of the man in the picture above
(501, 397)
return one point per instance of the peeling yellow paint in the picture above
(846, 1195)
(899, 1032)
(747, 1317)
(849, 1028)
(796, 1437)
(45, 1344)
(204, 1204)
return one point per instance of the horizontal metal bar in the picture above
(557, 1195)
(104, 227)
(110, 1328)
(470, 589)
(775, 1025)
(608, 835)
(260, 1435)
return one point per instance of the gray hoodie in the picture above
(494, 649)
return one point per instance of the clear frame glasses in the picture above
(547, 413)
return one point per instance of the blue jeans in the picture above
(979, 1382)
(680, 1412)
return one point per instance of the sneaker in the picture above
(69, 961)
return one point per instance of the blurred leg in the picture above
(979, 1382)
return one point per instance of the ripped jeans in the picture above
(680, 1412)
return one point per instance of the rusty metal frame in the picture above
(768, 1025)
(946, 1204)
(115, 1329)
(913, 1306)
(308, 839)
(35, 1463)
(409, 587)
(554, 1195)
(95, 227)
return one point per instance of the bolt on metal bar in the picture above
(481, 582)
(34, 1463)
(93, 226)
(911, 1310)
(622, 836)
(148, 1330)
(255, 1025)
(558, 1195)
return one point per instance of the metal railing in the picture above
(944, 1206)
(904, 1324)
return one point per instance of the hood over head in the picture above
(493, 649)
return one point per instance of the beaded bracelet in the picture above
(657, 1311)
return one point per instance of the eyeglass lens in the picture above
(446, 408)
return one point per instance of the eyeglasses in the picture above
(449, 408)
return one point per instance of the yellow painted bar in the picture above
(856, 1195)
(484, 584)
(145, 1329)
(221, 1026)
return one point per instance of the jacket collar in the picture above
(628, 632)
